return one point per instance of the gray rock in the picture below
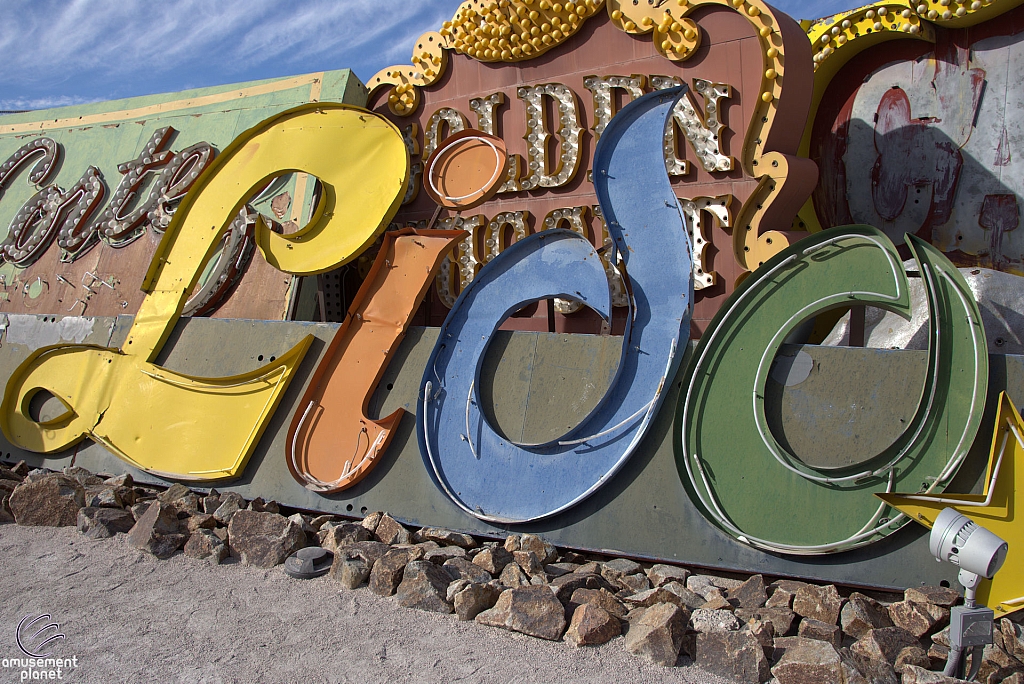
(686, 597)
(349, 569)
(210, 503)
(457, 586)
(819, 603)
(204, 544)
(912, 674)
(303, 522)
(390, 531)
(53, 500)
(613, 569)
(260, 506)
(230, 503)
(919, 619)
(139, 509)
(446, 537)
(462, 568)
(200, 521)
(716, 601)
(820, 631)
(529, 562)
(424, 586)
(124, 480)
(158, 532)
(862, 613)
(565, 585)
(702, 620)
(372, 520)
(6, 516)
(751, 594)
(782, 619)
(996, 664)
(703, 584)
(602, 598)
(780, 598)
(657, 634)
(764, 632)
(473, 599)
(884, 643)
(808, 661)
(513, 576)
(440, 555)
(83, 476)
(912, 655)
(649, 597)
(559, 569)
(530, 610)
(493, 560)
(939, 596)
(737, 656)
(8, 474)
(386, 574)
(102, 496)
(370, 551)
(317, 522)
(336, 537)
(263, 539)
(634, 583)
(663, 574)
(428, 546)
(172, 493)
(101, 523)
(544, 551)
(592, 625)
(1013, 638)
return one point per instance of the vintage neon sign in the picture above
(729, 453)
(363, 165)
(466, 454)
(72, 217)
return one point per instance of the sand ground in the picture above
(131, 618)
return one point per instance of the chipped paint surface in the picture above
(34, 332)
(932, 147)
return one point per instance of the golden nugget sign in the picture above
(730, 147)
(536, 74)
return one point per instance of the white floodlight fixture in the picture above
(978, 553)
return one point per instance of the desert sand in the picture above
(129, 617)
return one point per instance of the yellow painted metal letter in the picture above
(195, 428)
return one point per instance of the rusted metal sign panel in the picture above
(87, 192)
(921, 136)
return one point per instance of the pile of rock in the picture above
(746, 630)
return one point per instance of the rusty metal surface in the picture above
(644, 511)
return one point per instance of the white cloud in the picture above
(65, 52)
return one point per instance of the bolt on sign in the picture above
(649, 169)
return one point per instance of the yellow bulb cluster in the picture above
(946, 10)
(512, 30)
(910, 17)
(675, 37)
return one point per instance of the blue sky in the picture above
(64, 52)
